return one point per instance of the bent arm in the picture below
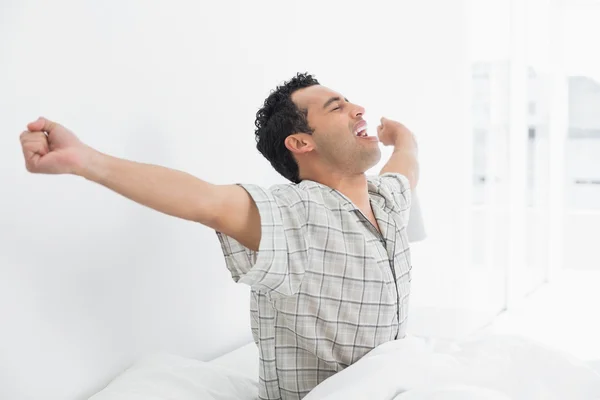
(404, 161)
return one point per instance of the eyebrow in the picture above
(333, 100)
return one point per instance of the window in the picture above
(582, 150)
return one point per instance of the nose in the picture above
(357, 111)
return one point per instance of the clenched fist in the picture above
(50, 148)
(393, 133)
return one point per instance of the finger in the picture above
(34, 142)
(42, 124)
(27, 136)
(32, 153)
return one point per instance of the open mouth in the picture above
(360, 130)
(362, 133)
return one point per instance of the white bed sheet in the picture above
(486, 367)
(243, 360)
(162, 376)
(235, 374)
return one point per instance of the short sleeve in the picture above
(279, 264)
(395, 189)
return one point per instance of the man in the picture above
(327, 256)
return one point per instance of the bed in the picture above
(165, 376)
(484, 367)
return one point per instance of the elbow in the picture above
(208, 214)
(208, 207)
(414, 176)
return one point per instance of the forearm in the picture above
(166, 190)
(404, 160)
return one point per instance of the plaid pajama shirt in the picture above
(326, 286)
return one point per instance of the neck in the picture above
(354, 187)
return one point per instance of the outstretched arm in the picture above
(404, 159)
(50, 148)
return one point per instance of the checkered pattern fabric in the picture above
(326, 285)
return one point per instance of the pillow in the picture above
(170, 377)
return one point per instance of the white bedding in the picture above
(233, 376)
(243, 360)
(490, 367)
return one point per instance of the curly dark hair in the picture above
(279, 118)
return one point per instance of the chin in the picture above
(375, 158)
(369, 162)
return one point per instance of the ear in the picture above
(300, 143)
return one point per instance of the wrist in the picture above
(90, 163)
(404, 146)
(405, 140)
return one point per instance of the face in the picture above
(338, 139)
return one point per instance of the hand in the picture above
(50, 148)
(393, 133)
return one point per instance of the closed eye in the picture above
(333, 100)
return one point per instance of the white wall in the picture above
(89, 281)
